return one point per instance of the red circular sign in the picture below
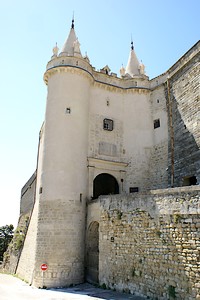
(44, 267)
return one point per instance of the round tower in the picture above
(62, 181)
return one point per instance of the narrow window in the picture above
(108, 124)
(156, 123)
(68, 110)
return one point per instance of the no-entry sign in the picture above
(44, 267)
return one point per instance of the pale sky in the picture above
(162, 31)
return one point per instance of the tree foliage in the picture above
(6, 235)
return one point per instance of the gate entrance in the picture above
(105, 184)
(92, 253)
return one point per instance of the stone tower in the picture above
(62, 171)
(84, 152)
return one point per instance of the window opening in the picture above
(68, 110)
(156, 123)
(189, 181)
(108, 124)
(133, 190)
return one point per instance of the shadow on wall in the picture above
(149, 243)
(184, 139)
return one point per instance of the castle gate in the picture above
(105, 184)
(92, 253)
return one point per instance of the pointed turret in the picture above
(55, 51)
(142, 68)
(71, 46)
(133, 66)
(122, 71)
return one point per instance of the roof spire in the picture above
(72, 21)
(132, 67)
(71, 46)
(132, 47)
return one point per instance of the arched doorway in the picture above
(92, 253)
(105, 184)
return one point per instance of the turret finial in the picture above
(55, 50)
(132, 47)
(73, 21)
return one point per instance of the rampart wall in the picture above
(28, 195)
(183, 101)
(149, 243)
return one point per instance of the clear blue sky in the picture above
(162, 32)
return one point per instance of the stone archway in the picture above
(92, 253)
(105, 184)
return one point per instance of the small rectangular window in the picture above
(189, 181)
(156, 123)
(108, 124)
(68, 110)
(133, 189)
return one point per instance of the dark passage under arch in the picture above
(105, 184)
(92, 253)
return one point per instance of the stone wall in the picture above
(157, 174)
(184, 84)
(28, 195)
(149, 243)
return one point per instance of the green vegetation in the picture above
(178, 218)
(103, 286)
(6, 235)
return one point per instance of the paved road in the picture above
(11, 288)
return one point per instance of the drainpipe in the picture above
(169, 102)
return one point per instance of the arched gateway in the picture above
(92, 253)
(105, 184)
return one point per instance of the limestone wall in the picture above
(149, 243)
(25, 268)
(27, 196)
(157, 176)
(184, 84)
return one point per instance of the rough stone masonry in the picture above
(150, 243)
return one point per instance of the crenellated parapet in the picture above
(81, 65)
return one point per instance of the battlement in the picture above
(100, 76)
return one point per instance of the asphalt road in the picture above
(12, 288)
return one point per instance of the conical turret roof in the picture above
(68, 47)
(133, 65)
